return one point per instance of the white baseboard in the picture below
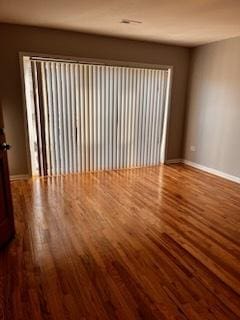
(212, 171)
(19, 177)
(171, 161)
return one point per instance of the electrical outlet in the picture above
(193, 148)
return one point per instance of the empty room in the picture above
(120, 160)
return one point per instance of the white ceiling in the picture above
(185, 22)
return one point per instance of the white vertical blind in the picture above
(101, 117)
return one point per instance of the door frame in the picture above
(108, 62)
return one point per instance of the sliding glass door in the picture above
(96, 117)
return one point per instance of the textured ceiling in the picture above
(185, 22)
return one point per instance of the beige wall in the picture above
(213, 124)
(15, 39)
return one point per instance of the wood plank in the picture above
(151, 243)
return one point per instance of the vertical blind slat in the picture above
(160, 117)
(50, 110)
(60, 119)
(37, 117)
(46, 117)
(73, 117)
(140, 114)
(153, 133)
(78, 137)
(82, 116)
(119, 116)
(110, 117)
(64, 120)
(94, 83)
(123, 107)
(55, 118)
(90, 117)
(102, 141)
(150, 129)
(98, 117)
(106, 112)
(144, 110)
(129, 119)
(114, 118)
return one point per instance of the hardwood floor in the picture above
(154, 243)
